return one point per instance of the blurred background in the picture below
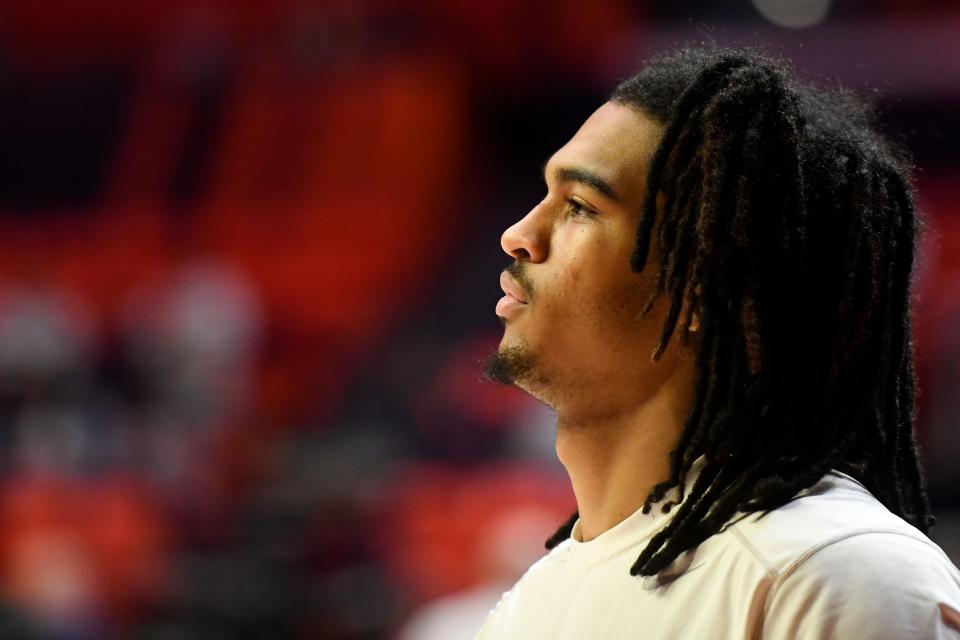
(249, 256)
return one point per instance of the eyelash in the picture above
(577, 209)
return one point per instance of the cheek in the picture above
(616, 302)
(598, 295)
(622, 306)
(592, 286)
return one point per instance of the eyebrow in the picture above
(584, 177)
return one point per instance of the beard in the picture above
(508, 365)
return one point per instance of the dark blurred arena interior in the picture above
(248, 264)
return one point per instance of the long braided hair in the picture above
(788, 228)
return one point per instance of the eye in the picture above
(576, 209)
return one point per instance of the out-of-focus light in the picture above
(795, 14)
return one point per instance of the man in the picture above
(757, 475)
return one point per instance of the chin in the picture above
(513, 363)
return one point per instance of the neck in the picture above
(615, 462)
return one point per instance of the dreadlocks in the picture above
(788, 228)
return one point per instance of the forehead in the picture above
(616, 143)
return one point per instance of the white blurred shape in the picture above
(208, 316)
(512, 542)
(196, 337)
(455, 617)
(795, 14)
(43, 331)
(53, 576)
(215, 315)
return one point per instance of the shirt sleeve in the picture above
(877, 585)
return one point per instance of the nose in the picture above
(527, 239)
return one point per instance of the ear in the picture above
(694, 318)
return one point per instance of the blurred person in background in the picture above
(509, 544)
(757, 476)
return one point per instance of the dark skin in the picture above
(618, 413)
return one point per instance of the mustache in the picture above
(517, 271)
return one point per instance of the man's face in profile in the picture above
(573, 335)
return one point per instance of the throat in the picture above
(612, 471)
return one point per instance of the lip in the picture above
(514, 301)
(508, 306)
(511, 288)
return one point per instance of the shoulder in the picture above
(836, 508)
(868, 585)
(839, 564)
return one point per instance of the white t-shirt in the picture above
(833, 563)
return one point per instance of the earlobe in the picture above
(694, 318)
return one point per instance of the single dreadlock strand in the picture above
(894, 294)
(911, 468)
(563, 532)
(881, 299)
(908, 454)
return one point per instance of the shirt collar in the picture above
(628, 533)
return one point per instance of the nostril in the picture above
(526, 239)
